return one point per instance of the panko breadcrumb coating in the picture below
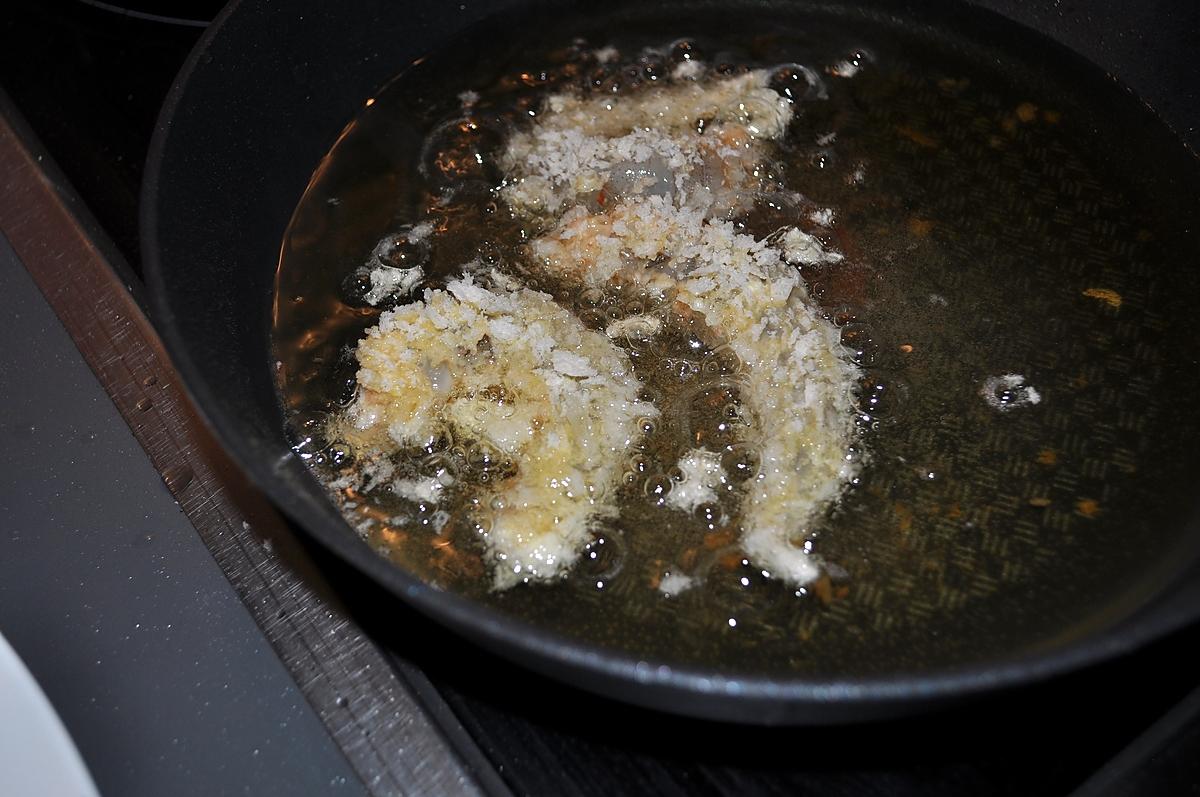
(665, 233)
(505, 367)
(646, 143)
(622, 191)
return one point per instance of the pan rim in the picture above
(760, 700)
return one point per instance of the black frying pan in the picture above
(263, 98)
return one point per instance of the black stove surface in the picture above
(90, 78)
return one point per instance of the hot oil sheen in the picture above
(995, 220)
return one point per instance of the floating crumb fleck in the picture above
(1008, 392)
(953, 85)
(702, 474)
(673, 583)
(801, 248)
(920, 227)
(1027, 112)
(846, 68)
(823, 216)
(823, 589)
(426, 490)
(606, 55)
(688, 70)
(1047, 456)
(917, 137)
(640, 327)
(396, 265)
(1088, 507)
(1106, 295)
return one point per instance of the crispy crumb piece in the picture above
(702, 474)
(1047, 456)
(1008, 392)
(1026, 112)
(1106, 295)
(675, 583)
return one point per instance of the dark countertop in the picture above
(115, 605)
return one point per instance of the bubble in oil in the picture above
(652, 66)
(343, 379)
(741, 591)
(308, 430)
(845, 314)
(709, 515)
(878, 397)
(592, 297)
(713, 415)
(355, 287)
(340, 455)
(682, 369)
(603, 558)
(490, 254)
(401, 250)
(821, 159)
(727, 65)
(462, 149)
(432, 465)
(683, 50)
(593, 318)
(657, 488)
(859, 338)
(798, 83)
(741, 462)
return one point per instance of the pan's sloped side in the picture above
(257, 105)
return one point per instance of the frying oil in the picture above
(980, 218)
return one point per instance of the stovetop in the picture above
(89, 79)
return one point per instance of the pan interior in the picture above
(1015, 212)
